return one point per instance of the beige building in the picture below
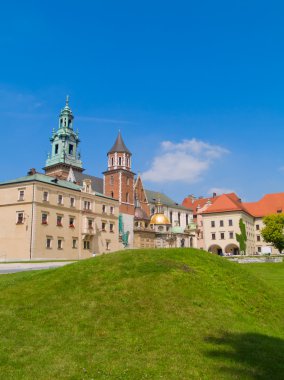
(46, 218)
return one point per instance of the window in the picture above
(257, 227)
(60, 199)
(21, 195)
(48, 242)
(71, 222)
(111, 180)
(86, 244)
(279, 211)
(72, 202)
(56, 148)
(111, 209)
(59, 220)
(230, 222)
(111, 227)
(104, 209)
(45, 196)
(186, 219)
(213, 236)
(119, 161)
(212, 224)
(74, 243)
(103, 226)
(258, 238)
(43, 218)
(259, 249)
(59, 243)
(112, 161)
(222, 236)
(20, 217)
(171, 216)
(221, 223)
(231, 235)
(71, 149)
(90, 223)
(111, 194)
(107, 245)
(179, 218)
(127, 197)
(87, 205)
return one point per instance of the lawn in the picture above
(147, 314)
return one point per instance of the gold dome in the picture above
(159, 219)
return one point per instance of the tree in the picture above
(242, 237)
(273, 231)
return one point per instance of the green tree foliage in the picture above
(273, 230)
(242, 237)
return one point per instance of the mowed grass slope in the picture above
(149, 314)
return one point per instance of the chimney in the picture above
(214, 195)
(32, 171)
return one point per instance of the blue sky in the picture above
(197, 89)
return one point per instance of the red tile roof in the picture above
(269, 204)
(226, 202)
(196, 204)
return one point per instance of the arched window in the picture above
(112, 161)
(111, 194)
(119, 161)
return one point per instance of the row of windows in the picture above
(59, 221)
(222, 235)
(120, 161)
(60, 243)
(221, 223)
(87, 205)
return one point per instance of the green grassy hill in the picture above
(160, 314)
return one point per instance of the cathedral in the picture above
(64, 213)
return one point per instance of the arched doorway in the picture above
(216, 249)
(232, 249)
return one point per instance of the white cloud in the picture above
(220, 190)
(185, 162)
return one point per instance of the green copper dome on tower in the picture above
(64, 142)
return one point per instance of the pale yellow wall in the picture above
(28, 240)
(226, 229)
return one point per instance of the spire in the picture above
(119, 145)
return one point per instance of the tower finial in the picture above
(67, 100)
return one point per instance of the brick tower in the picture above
(119, 184)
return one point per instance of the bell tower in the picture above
(119, 179)
(64, 152)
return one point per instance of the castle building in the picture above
(65, 213)
(218, 222)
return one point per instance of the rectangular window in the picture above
(56, 149)
(21, 195)
(111, 209)
(213, 236)
(111, 227)
(90, 223)
(231, 234)
(87, 205)
(72, 202)
(212, 224)
(59, 220)
(222, 235)
(60, 199)
(258, 238)
(74, 243)
(221, 223)
(257, 227)
(71, 222)
(45, 196)
(186, 219)
(20, 217)
(259, 249)
(103, 226)
(48, 242)
(70, 149)
(230, 222)
(60, 244)
(107, 245)
(44, 218)
(104, 209)
(86, 244)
